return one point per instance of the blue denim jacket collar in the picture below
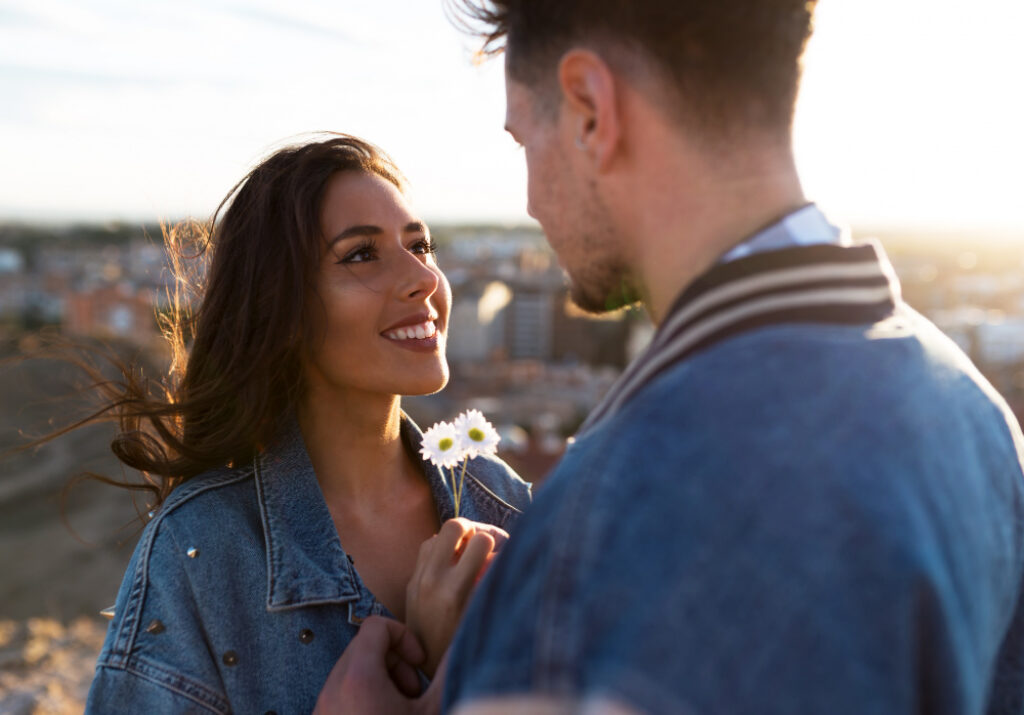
(306, 563)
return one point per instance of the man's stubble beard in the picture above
(603, 282)
(603, 288)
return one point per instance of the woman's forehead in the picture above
(357, 197)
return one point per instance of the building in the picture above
(112, 311)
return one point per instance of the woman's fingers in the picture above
(447, 569)
(499, 535)
(448, 549)
(474, 556)
(487, 564)
(449, 540)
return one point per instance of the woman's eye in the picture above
(362, 254)
(424, 246)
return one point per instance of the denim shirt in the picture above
(239, 596)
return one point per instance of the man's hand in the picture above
(376, 675)
(449, 566)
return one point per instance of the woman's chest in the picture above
(384, 559)
(383, 544)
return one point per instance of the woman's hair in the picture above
(226, 394)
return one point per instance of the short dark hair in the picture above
(734, 63)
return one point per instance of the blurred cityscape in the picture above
(518, 349)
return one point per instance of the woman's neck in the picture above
(354, 443)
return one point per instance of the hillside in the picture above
(61, 560)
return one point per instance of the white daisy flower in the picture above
(441, 445)
(476, 434)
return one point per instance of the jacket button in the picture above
(192, 552)
(306, 636)
(155, 627)
(230, 658)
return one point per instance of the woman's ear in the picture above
(589, 91)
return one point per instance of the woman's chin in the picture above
(427, 385)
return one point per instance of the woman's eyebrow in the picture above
(368, 230)
(353, 231)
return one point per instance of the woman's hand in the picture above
(449, 565)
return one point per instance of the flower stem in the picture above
(455, 493)
(462, 480)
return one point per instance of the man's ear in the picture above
(591, 107)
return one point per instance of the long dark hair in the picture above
(225, 394)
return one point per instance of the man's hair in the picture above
(732, 64)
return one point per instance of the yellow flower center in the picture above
(476, 435)
(446, 444)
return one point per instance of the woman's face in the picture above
(381, 303)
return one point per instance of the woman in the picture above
(293, 500)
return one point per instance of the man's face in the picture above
(561, 195)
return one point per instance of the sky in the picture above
(911, 113)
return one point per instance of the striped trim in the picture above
(809, 284)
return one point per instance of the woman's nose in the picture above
(420, 281)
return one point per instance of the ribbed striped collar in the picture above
(806, 284)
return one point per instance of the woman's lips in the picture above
(420, 331)
(418, 338)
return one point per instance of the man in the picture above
(802, 498)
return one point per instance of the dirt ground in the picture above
(61, 560)
(46, 667)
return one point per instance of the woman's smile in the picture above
(417, 326)
(419, 337)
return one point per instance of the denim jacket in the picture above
(239, 596)
(820, 512)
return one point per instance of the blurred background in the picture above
(117, 115)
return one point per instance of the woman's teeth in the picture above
(419, 332)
